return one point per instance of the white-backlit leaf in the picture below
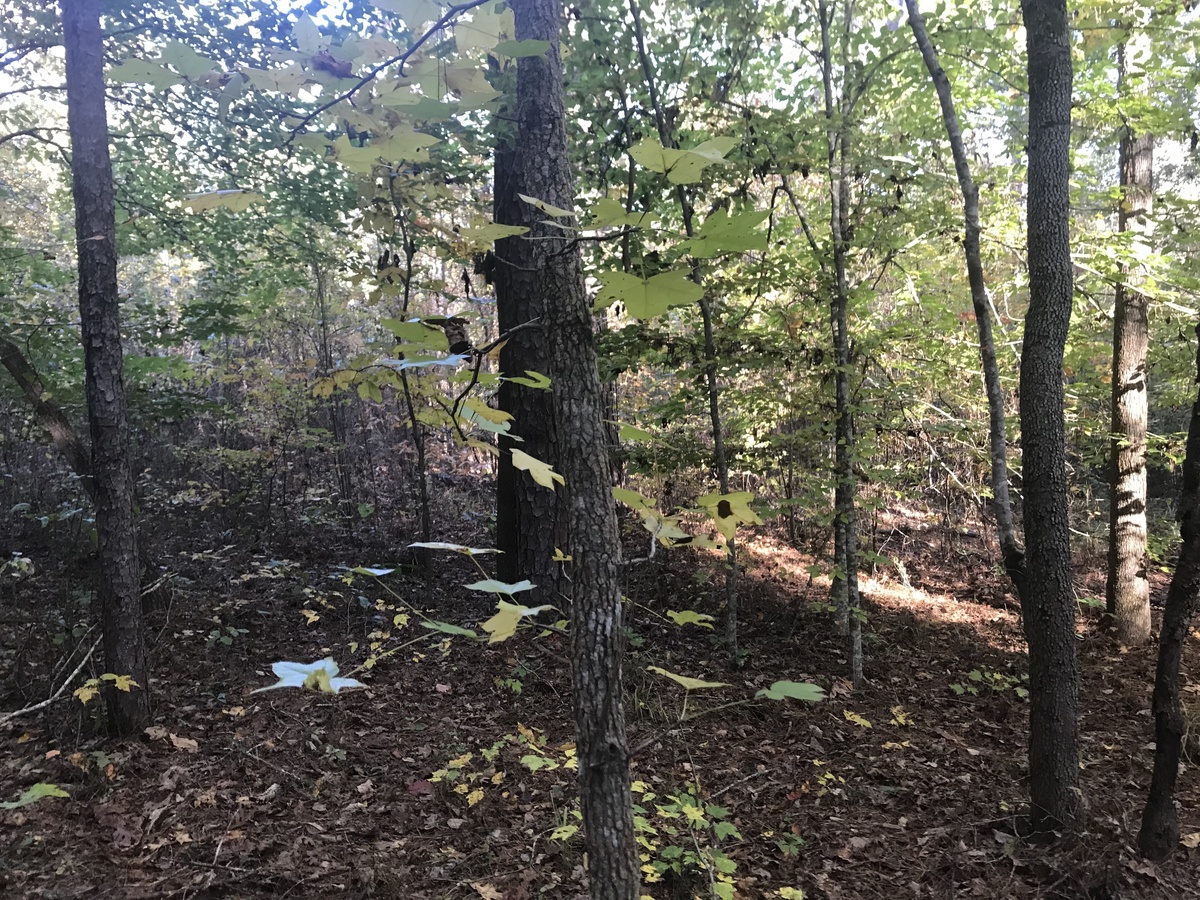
(142, 71)
(492, 586)
(414, 13)
(318, 676)
(457, 548)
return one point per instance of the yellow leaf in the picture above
(503, 624)
(310, 617)
(88, 691)
(474, 797)
(730, 510)
(124, 683)
(690, 684)
(900, 717)
(538, 470)
(856, 719)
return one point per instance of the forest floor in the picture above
(450, 775)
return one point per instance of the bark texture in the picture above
(845, 582)
(95, 233)
(543, 170)
(1159, 834)
(1011, 552)
(529, 522)
(1128, 588)
(1048, 604)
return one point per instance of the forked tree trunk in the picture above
(1128, 590)
(96, 241)
(1160, 823)
(1048, 603)
(1011, 553)
(543, 171)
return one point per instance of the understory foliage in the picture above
(307, 257)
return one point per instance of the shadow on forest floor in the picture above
(906, 788)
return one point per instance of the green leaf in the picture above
(723, 890)
(564, 832)
(548, 209)
(414, 13)
(39, 791)
(691, 617)
(690, 684)
(522, 49)
(492, 232)
(538, 470)
(531, 379)
(647, 298)
(235, 200)
(309, 39)
(793, 690)
(681, 166)
(415, 331)
(723, 233)
(606, 212)
(730, 510)
(633, 433)
(142, 71)
(533, 763)
(503, 624)
(492, 586)
(186, 61)
(447, 628)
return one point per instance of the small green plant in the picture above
(977, 679)
(224, 635)
(684, 836)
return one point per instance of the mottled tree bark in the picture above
(1048, 604)
(543, 170)
(529, 523)
(1128, 589)
(1011, 553)
(1160, 824)
(845, 581)
(96, 240)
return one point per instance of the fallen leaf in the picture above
(1191, 841)
(187, 745)
(486, 891)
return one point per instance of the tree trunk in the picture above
(556, 280)
(529, 523)
(1128, 591)
(1011, 553)
(49, 414)
(1048, 604)
(1160, 824)
(845, 576)
(96, 240)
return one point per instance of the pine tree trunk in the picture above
(1128, 593)
(1048, 604)
(529, 524)
(556, 280)
(95, 230)
(1160, 823)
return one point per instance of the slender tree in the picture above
(1159, 834)
(1010, 549)
(553, 274)
(1128, 588)
(96, 240)
(845, 580)
(1048, 604)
